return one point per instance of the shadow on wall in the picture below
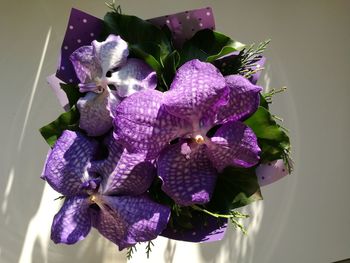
(27, 203)
(236, 247)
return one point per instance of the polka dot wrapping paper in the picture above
(83, 28)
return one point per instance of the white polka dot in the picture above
(71, 27)
(92, 34)
(65, 47)
(208, 13)
(200, 24)
(63, 68)
(70, 80)
(187, 17)
(78, 40)
(168, 21)
(84, 20)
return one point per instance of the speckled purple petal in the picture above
(234, 144)
(134, 76)
(243, 100)
(110, 53)
(124, 173)
(206, 229)
(94, 109)
(127, 220)
(66, 166)
(86, 66)
(73, 222)
(196, 88)
(143, 125)
(187, 179)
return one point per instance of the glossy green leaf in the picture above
(171, 63)
(66, 121)
(144, 51)
(264, 126)
(263, 102)
(235, 187)
(135, 30)
(72, 92)
(272, 139)
(208, 45)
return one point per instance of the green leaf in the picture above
(171, 63)
(208, 45)
(235, 187)
(72, 92)
(144, 51)
(264, 126)
(156, 193)
(135, 30)
(263, 102)
(66, 121)
(272, 139)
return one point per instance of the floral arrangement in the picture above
(165, 130)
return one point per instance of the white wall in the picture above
(304, 217)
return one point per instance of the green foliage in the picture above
(66, 121)
(235, 187)
(170, 66)
(208, 45)
(130, 251)
(137, 31)
(72, 92)
(156, 193)
(243, 62)
(144, 51)
(149, 248)
(272, 139)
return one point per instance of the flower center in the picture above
(199, 139)
(93, 199)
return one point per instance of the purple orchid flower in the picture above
(102, 64)
(106, 194)
(199, 99)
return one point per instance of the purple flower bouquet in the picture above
(165, 130)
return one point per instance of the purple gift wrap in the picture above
(82, 29)
(184, 25)
(212, 230)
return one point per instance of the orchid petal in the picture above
(126, 220)
(124, 173)
(187, 179)
(244, 99)
(73, 222)
(134, 76)
(110, 53)
(66, 165)
(95, 116)
(143, 125)
(234, 144)
(196, 89)
(85, 64)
